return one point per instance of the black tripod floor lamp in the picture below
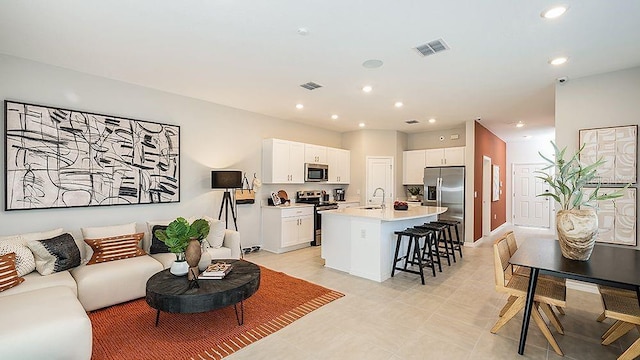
(227, 179)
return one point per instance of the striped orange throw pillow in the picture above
(115, 248)
(8, 274)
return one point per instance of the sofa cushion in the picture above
(216, 232)
(25, 262)
(157, 246)
(44, 324)
(8, 274)
(220, 253)
(166, 259)
(115, 248)
(56, 254)
(114, 282)
(35, 281)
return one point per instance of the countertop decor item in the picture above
(400, 205)
(178, 235)
(414, 191)
(576, 221)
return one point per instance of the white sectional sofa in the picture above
(48, 314)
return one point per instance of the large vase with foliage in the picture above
(576, 221)
(177, 236)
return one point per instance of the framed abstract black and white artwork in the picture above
(60, 158)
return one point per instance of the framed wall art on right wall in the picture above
(618, 146)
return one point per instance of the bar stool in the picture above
(413, 255)
(430, 250)
(440, 236)
(457, 244)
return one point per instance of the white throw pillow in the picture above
(25, 262)
(216, 233)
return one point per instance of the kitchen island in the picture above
(361, 240)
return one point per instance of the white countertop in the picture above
(291, 206)
(388, 214)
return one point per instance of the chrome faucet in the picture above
(374, 194)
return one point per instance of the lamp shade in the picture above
(226, 179)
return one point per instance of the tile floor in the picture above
(448, 318)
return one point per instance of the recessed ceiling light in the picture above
(558, 61)
(303, 31)
(299, 106)
(367, 88)
(554, 12)
(519, 124)
(334, 117)
(398, 104)
(361, 124)
(372, 64)
(527, 137)
(432, 120)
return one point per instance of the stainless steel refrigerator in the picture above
(444, 186)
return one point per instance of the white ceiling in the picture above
(248, 54)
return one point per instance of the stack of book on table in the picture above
(215, 271)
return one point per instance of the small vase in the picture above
(577, 232)
(179, 268)
(414, 197)
(205, 259)
(193, 255)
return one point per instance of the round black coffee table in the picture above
(175, 294)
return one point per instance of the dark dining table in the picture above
(608, 265)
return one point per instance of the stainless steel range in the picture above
(320, 201)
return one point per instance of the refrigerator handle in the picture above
(439, 191)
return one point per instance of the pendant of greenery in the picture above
(179, 232)
(569, 177)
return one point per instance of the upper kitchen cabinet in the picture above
(413, 164)
(315, 154)
(339, 162)
(452, 156)
(282, 162)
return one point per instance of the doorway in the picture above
(486, 195)
(529, 209)
(379, 175)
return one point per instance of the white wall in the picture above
(431, 139)
(610, 99)
(212, 136)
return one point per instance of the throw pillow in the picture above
(25, 263)
(8, 274)
(157, 246)
(103, 232)
(216, 233)
(56, 254)
(115, 248)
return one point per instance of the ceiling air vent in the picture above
(432, 47)
(311, 85)
(412, 121)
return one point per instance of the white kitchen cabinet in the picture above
(287, 228)
(315, 154)
(339, 162)
(452, 156)
(282, 162)
(413, 164)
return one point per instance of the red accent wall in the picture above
(487, 144)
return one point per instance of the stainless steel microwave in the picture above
(316, 172)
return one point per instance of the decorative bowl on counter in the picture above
(400, 205)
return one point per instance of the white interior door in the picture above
(528, 208)
(486, 196)
(379, 175)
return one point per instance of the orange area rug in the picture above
(127, 331)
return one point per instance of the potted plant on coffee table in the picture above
(183, 239)
(576, 221)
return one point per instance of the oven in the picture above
(316, 197)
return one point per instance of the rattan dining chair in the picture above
(548, 293)
(622, 306)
